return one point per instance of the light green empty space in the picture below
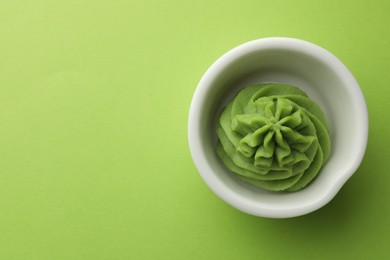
(94, 159)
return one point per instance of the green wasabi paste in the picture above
(273, 136)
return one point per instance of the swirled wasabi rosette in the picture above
(273, 136)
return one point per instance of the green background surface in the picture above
(94, 160)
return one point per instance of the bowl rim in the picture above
(194, 135)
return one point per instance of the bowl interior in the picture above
(313, 73)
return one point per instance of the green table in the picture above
(94, 160)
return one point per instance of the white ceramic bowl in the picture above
(296, 62)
